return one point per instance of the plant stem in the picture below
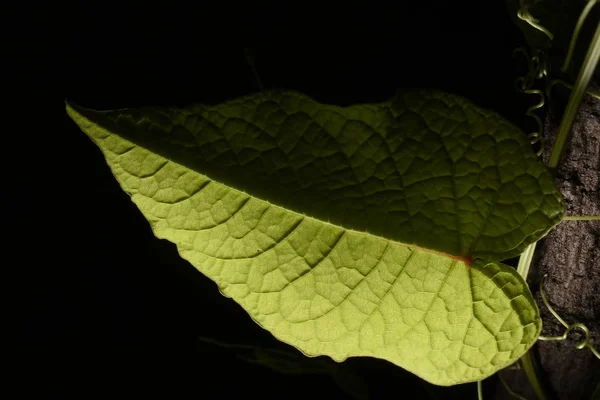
(528, 365)
(581, 218)
(250, 60)
(586, 10)
(530, 371)
(509, 390)
(583, 80)
(525, 261)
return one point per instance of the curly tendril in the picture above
(535, 137)
(524, 15)
(579, 345)
(537, 69)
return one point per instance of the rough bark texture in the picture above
(570, 255)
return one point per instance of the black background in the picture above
(111, 311)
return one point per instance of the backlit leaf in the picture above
(371, 230)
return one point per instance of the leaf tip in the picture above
(71, 108)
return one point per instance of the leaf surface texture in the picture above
(371, 230)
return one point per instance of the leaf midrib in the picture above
(466, 260)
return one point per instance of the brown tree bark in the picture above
(570, 255)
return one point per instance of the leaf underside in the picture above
(371, 230)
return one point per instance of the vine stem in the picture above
(526, 359)
(525, 261)
(250, 59)
(586, 10)
(583, 80)
(509, 390)
(581, 218)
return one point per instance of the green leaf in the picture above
(372, 230)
